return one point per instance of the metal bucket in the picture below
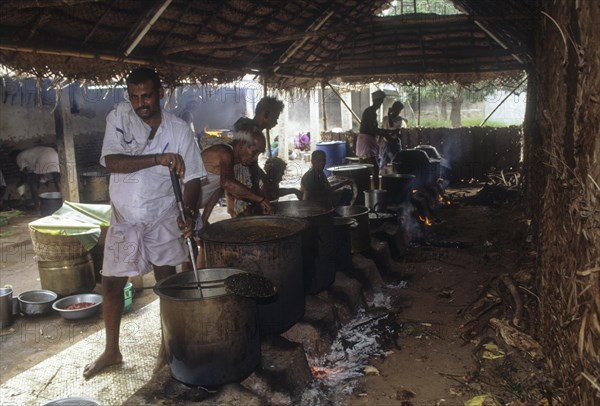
(318, 243)
(209, 340)
(95, 187)
(376, 199)
(69, 276)
(270, 246)
(361, 174)
(50, 202)
(6, 307)
(360, 238)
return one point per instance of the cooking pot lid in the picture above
(300, 209)
(399, 175)
(351, 167)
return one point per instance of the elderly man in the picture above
(220, 160)
(142, 144)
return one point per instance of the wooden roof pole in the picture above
(495, 38)
(297, 45)
(323, 105)
(147, 27)
(502, 102)
(268, 131)
(344, 103)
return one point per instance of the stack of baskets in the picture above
(65, 266)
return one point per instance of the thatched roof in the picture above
(291, 43)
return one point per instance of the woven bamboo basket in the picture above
(51, 247)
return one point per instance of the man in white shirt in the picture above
(38, 164)
(142, 143)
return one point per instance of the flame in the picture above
(414, 190)
(425, 220)
(324, 373)
(444, 200)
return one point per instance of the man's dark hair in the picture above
(143, 75)
(318, 152)
(397, 106)
(270, 104)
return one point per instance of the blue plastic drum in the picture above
(335, 152)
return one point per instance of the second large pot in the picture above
(209, 340)
(360, 238)
(318, 242)
(270, 246)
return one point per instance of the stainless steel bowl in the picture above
(36, 302)
(74, 401)
(61, 306)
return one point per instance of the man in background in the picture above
(266, 115)
(38, 165)
(367, 148)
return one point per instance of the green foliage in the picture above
(440, 7)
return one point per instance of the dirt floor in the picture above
(453, 286)
(452, 292)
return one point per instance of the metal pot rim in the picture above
(288, 232)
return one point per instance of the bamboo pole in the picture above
(323, 106)
(502, 102)
(344, 102)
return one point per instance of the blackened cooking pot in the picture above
(360, 238)
(270, 246)
(398, 186)
(210, 339)
(361, 174)
(317, 242)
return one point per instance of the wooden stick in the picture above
(516, 297)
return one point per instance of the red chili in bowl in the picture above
(79, 306)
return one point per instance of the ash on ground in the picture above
(367, 336)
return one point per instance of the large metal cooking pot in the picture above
(210, 339)
(95, 186)
(68, 276)
(270, 246)
(376, 199)
(398, 186)
(342, 227)
(360, 238)
(361, 174)
(317, 242)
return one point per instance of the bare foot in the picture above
(161, 358)
(104, 360)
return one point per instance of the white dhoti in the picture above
(132, 249)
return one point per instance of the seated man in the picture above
(315, 186)
(274, 171)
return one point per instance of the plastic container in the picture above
(335, 153)
(128, 295)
